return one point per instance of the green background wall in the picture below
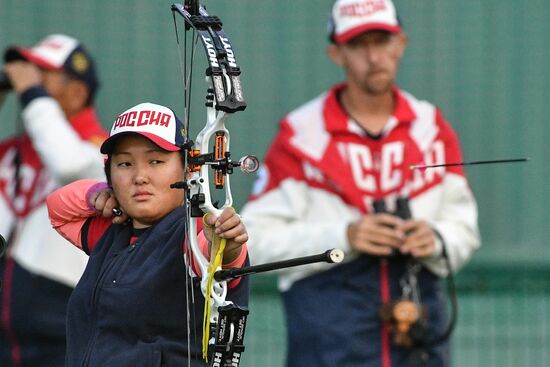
(484, 62)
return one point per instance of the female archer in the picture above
(131, 305)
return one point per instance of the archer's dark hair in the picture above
(107, 170)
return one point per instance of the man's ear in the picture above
(333, 52)
(403, 41)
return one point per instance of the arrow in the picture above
(424, 166)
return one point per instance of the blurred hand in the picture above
(229, 226)
(104, 203)
(420, 240)
(23, 75)
(376, 234)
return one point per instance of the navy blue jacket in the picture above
(343, 303)
(129, 308)
(33, 309)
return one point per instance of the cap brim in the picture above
(108, 145)
(354, 32)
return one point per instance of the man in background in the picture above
(55, 82)
(338, 175)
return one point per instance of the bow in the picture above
(224, 322)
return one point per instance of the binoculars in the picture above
(5, 83)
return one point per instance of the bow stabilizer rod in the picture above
(333, 256)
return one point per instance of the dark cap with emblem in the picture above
(59, 52)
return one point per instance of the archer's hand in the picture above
(104, 202)
(376, 234)
(420, 240)
(229, 226)
(23, 75)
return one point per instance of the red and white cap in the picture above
(155, 122)
(58, 52)
(350, 18)
(51, 52)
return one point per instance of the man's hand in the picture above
(23, 75)
(229, 226)
(376, 234)
(104, 202)
(420, 239)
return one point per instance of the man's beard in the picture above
(375, 88)
(374, 84)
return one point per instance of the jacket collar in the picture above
(337, 120)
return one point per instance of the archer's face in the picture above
(141, 174)
(371, 60)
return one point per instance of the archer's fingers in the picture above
(210, 219)
(228, 214)
(100, 200)
(241, 238)
(110, 204)
(236, 233)
(228, 219)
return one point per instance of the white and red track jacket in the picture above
(323, 171)
(53, 152)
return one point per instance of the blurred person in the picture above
(56, 83)
(129, 309)
(338, 175)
